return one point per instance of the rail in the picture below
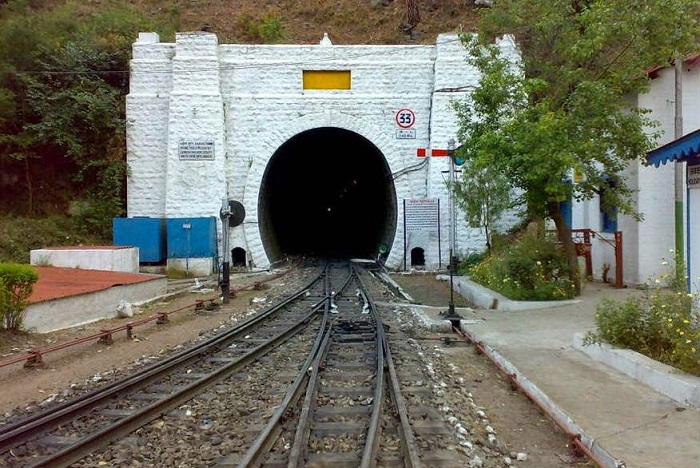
(20, 431)
(139, 418)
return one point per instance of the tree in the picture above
(483, 195)
(63, 78)
(562, 107)
(412, 15)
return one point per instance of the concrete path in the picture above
(634, 423)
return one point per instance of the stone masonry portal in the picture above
(319, 143)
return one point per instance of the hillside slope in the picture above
(305, 21)
(33, 189)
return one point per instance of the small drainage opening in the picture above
(418, 257)
(238, 257)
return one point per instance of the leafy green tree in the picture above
(484, 195)
(81, 117)
(63, 78)
(562, 107)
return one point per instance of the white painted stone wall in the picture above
(122, 259)
(249, 100)
(147, 125)
(76, 310)
(647, 244)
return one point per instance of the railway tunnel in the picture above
(327, 192)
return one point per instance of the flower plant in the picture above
(662, 323)
(531, 268)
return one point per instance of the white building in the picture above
(320, 143)
(647, 244)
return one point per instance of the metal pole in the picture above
(452, 291)
(450, 149)
(619, 274)
(679, 173)
(404, 235)
(226, 273)
(451, 314)
(187, 227)
(589, 260)
(439, 239)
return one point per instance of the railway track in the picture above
(324, 378)
(70, 431)
(347, 407)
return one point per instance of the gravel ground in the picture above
(472, 384)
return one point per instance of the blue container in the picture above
(148, 234)
(191, 237)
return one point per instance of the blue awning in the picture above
(686, 147)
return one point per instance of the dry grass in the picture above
(304, 21)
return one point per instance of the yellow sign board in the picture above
(327, 79)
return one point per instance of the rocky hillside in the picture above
(305, 21)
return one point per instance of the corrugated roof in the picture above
(57, 282)
(681, 149)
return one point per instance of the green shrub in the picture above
(270, 29)
(532, 268)
(16, 285)
(660, 324)
(470, 260)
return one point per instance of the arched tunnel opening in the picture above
(327, 192)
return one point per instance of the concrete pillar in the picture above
(147, 125)
(196, 151)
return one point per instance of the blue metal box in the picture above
(148, 234)
(191, 237)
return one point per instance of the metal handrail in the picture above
(34, 356)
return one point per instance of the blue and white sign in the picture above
(693, 176)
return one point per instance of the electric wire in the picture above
(406, 170)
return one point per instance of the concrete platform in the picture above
(68, 297)
(631, 421)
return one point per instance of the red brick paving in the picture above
(57, 282)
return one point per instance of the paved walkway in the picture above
(634, 423)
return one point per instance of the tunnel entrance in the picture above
(327, 192)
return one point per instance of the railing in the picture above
(34, 357)
(582, 238)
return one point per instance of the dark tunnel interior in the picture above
(327, 192)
